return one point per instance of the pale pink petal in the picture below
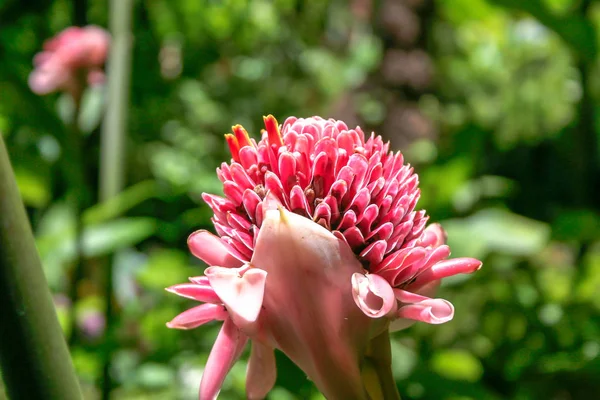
(373, 295)
(210, 249)
(421, 308)
(308, 310)
(262, 372)
(241, 290)
(405, 296)
(199, 315)
(196, 292)
(225, 352)
(434, 311)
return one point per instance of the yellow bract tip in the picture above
(282, 215)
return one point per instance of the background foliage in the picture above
(495, 103)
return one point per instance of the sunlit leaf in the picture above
(457, 365)
(496, 230)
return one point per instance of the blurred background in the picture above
(493, 101)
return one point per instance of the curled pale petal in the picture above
(210, 249)
(402, 323)
(199, 315)
(196, 292)
(240, 289)
(373, 295)
(262, 372)
(225, 352)
(308, 310)
(421, 308)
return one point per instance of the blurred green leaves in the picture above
(574, 29)
(102, 235)
(59, 249)
(496, 230)
(507, 99)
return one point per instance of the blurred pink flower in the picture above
(72, 55)
(319, 253)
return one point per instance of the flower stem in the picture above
(377, 371)
(33, 352)
(112, 142)
(112, 151)
(78, 196)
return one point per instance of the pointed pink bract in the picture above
(225, 352)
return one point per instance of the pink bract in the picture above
(73, 53)
(319, 251)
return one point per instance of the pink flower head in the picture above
(72, 53)
(320, 251)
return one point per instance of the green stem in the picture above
(78, 197)
(78, 187)
(379, 358)
(33, 352)
(112, 145)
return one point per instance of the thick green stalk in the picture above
(377, 369)
(33, 352)
(112, 145)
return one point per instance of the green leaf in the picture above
(115, 235)
(405, 360)
(154, 375)
(580, 225)
(58, 247)
(92, 107)
(33, 187)
(496, 230)
(165, 268)
(119, 204)
(458, 365)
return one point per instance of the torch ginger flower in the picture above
(73, 55)
(320, 253)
